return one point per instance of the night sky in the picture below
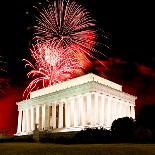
(130, 61)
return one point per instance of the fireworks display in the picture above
(63, 43)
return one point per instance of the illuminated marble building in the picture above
(86, 101)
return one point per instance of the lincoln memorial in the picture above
(85, 101)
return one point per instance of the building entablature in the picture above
(82, 89)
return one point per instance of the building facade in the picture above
(86, 101)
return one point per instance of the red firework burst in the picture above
(64, 22)
(64, 36)
(52, 66)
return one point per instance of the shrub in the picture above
(123, 129)
(93, 135)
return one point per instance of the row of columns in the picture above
(27, 118)
(92, 109)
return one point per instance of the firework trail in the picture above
(64, 36)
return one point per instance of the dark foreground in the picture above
(81, 149)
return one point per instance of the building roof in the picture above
(74, 82)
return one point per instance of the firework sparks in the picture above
(64, 36)
(65, 23)
(52, 66)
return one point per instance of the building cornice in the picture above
(76, 82)
(88, 87)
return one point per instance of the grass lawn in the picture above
(80, 149)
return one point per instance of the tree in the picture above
(123, 129)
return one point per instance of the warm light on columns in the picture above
(133, 112)
(47, 117)
(67, 114)
(76, 110)
(79, 110)
(112, 109)
(50, 117)
(117, 109)
(43, 116)
(114, 105)
(95, 108)
(60, 116)
(109, 111)
(28, 120)
(54, 115)
(24, 122)
(75, 102)
(19, 121)
(71, 100)
(121, 108)
(124, 109)
(89, 109)
(128, 109)
(32, 118)
(37, 115)
(82, 111)
(105, 110)
(101, 109)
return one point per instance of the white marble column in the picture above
(71, 100)
(50, 117)
(79, 105)
(121, 109)
(60, 116)
(105, 110)
(38, 116)
(82, 111)
(128, 110)
(89, 109)
(47, 117)
(28, 120)
(43, 116)
(24, 122)
(101, 110)
(54, 115)
(112, 110)
(124, 109)
(32, 119)
(115, 106)
(109, 111)
(133, 112)
(76, 110)
(19, 121)
(95, 109)
(118, 108)
(67, 114)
